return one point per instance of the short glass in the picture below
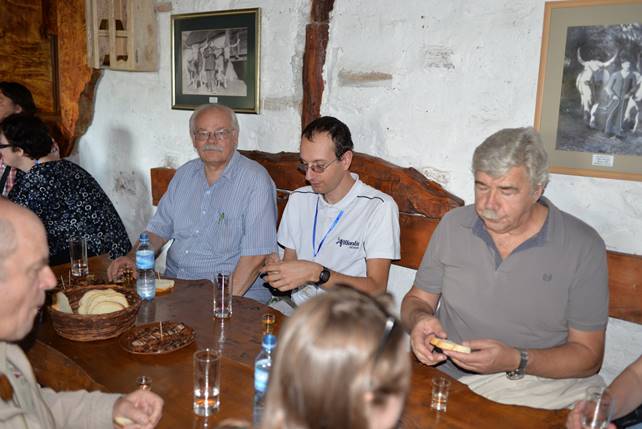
(440, 388)
(222, 300)
(268, 321)
(207, 382)
(144, 382)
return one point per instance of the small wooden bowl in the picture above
(84, 327)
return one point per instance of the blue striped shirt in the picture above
(213, 226)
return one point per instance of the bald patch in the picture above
(13, 220)
(9, 243)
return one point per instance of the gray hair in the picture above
(216, 107)
(513, 147)
(9, 243)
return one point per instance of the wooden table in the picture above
(64, 364)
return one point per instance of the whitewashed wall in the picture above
(420, 84)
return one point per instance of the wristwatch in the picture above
(518, 374)
(324, 276)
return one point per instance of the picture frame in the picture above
(589, 102)
(216, 59)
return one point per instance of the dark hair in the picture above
(20, 95)
(339, 132)
(28, 133)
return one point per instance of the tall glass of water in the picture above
(78, 257)
(598, 408)
(207, 382)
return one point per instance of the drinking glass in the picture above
(222, 302)
(78, 257)
(144, 382)
(598, 408)
(440, 388)
(268, 321)
(207, 382)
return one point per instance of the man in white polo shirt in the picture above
(338, 230)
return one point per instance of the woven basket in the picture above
(82, 327)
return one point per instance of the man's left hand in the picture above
(487, 357)
(143, 408)
(289, 275)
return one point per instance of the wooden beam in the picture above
(316, 43)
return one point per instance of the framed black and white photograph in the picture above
(589, 97)
(216, 59)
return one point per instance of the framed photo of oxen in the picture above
(216, 59)
(589, 95)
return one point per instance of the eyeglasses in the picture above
(391, 322)
(315, 166)
(218, 135)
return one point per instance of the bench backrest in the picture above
(422, 203)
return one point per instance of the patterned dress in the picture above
(70, 203)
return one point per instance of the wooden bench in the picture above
(422, 203)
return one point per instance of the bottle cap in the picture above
(143, 236)
(269, 341)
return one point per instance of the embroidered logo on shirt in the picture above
(350, 244)
(547, 277)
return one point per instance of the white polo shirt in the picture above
(363, 225)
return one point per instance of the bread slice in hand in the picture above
(449, 345)
(123, 421)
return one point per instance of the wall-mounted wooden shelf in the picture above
(122, 35)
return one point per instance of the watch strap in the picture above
(518, 373)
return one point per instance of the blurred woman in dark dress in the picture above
(67, 199)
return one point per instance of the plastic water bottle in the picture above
(146, 281)
(262, 366)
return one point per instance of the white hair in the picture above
(513, 147)
(216, 107)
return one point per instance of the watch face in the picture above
(515, 375)
(324, 276)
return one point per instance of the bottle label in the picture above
(261, 376)
(145, 259)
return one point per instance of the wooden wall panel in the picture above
(26, 50)
(43, 46)
(625, 286)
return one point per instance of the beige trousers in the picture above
(532, 391)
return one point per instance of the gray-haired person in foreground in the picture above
(24, 277)
(518, 281)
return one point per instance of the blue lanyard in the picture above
(315, 250)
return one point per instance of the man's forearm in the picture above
(374, 283)
(571, 360)
(364, 284)
(627, 389)
(245, 273)
(412, 309)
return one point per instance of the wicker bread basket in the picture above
(82, 327)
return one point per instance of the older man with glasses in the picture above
(338, 230)
(219, 210)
